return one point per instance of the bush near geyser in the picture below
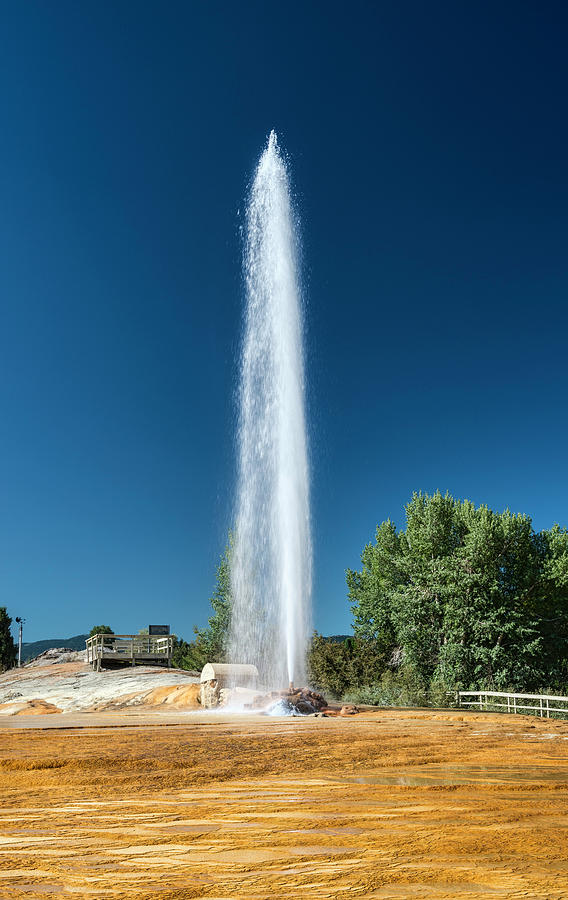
(462, 598)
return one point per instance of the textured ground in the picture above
(389, 805)
(62, 687)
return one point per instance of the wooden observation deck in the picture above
(129, 649)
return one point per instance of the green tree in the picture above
(100, 629)
(551, 602)
(8, 650)
(466, 597)
(210, 643)
(213, 639)
(189, 655)
(370, 590)
(329, 665)
(335, 667)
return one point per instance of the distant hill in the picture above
(34, 648)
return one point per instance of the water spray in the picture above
(271, 557)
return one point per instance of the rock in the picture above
(304, 707)
(295, 702)
(74, 686)
(57, 656)
(36, 707)
(210, 694)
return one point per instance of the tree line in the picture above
(460, 598)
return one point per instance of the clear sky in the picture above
(428, 144)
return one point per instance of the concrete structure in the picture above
(217, 677)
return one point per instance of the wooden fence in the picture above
(129, 648)
(538, 704)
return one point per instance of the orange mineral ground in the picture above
(388, 804)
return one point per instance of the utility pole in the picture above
(20, 622)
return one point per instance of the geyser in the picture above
(271, 554)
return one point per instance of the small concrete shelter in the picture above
(216, 677)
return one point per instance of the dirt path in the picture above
(390, 805)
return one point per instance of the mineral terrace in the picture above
(146, 800)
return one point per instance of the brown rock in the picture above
(348, 710)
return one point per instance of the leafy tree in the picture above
(189, 655)
(329, 665)
(100, 629)
(466, 597)
(370, 590)
(552, 603)
(335, 666)
(210, 643)
(8, 650)
(213, 639)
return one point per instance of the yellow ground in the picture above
(385, 805)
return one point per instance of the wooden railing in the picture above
(539, 704)
(129, 648)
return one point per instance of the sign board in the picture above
(158, 629)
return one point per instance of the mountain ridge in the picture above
(30, 649)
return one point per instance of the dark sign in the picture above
(158, 629)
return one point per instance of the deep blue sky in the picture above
(428, 143)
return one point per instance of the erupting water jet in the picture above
(271, 554)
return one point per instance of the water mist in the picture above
(271, 555)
